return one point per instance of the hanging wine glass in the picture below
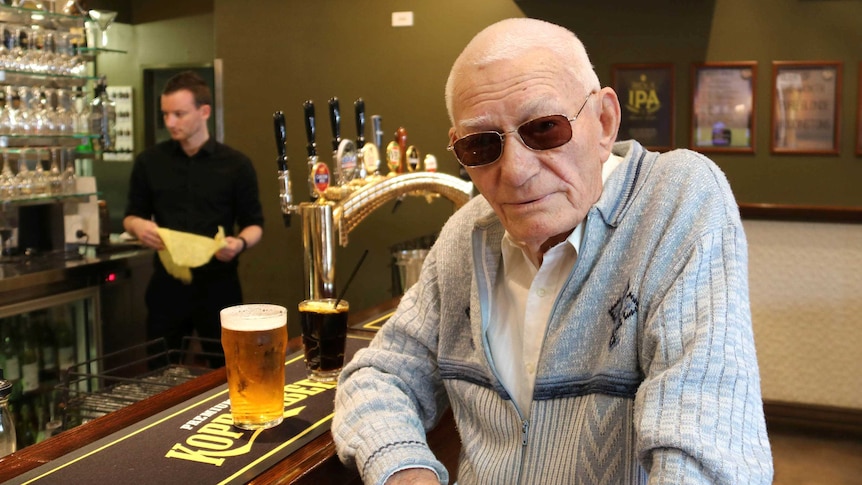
(69, 177)
(16, 52)
(24, 178)
(4, 51)
(82, 113)
(103, 19)
(40, 178)
(29, 60)
(55, 177)
(10, 114)
(23, 102)
(63, 113)
(7, 179)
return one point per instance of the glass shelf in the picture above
(25, 78)
(19, 142)
(43, 18)
(49, 199)
(100, 50)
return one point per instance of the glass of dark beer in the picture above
(324, 334)
(254, 338)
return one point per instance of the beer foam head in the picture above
(254, 317)
(325, 305)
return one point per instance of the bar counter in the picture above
(313, 463)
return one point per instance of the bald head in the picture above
(516, 38)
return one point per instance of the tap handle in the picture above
(308, 111)
(359, 106)
(401, 139)
(280, 139)
(377, 128)
(335, 121)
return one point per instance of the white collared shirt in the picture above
(521, 304)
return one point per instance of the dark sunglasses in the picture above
(486, 147)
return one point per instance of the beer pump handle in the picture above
(401, 139)
(308, 110)
(377, 128)
(335, 121)
(359, 106)
(280, 139)
(285, 194)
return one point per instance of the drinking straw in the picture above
(346, 285)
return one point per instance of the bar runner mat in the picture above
(195, 442)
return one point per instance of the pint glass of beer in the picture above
(254, 338)
(324, 334)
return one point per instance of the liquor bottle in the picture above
(103, 118)
(8, 438)
(26, 431)
(47, 347)
(29, 356)
(65, 344)
(9, 356)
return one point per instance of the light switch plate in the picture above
(402, 19)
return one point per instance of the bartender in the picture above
(192, 183)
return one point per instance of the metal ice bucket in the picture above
(409, 264)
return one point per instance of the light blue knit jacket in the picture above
(648, 371)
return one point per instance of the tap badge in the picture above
(320, 176)
(393, 156)
(412, 159)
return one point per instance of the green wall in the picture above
(278, 53)
(737, 30)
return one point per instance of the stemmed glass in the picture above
(7, 179)
(55, 178)
(40, 178)
(24, 178)
(103, 19)
(69, 177)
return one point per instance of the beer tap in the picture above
(401, 139)
(371, 151)
(359, 108)
(284, 193)
(329, 217)
(344, 151)
(308, 111)
(335, 124)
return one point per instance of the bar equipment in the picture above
(359, 108)
(285, 195)
(340, 209)
(308, 111)
(344, 150)
(371, 151)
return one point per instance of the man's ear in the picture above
(609, 117)
(205, 110)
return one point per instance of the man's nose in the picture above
(517, 162)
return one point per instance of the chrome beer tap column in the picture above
(339, 209)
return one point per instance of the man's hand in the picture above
(413, 476)
(234, 246)
(146, 231)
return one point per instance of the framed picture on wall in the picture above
(806, 105)
(859, 112)
(646, 93)
(722, 106)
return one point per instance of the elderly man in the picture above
(586, 317)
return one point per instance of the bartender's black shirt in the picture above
(215, 187)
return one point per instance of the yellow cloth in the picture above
(184, 250)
